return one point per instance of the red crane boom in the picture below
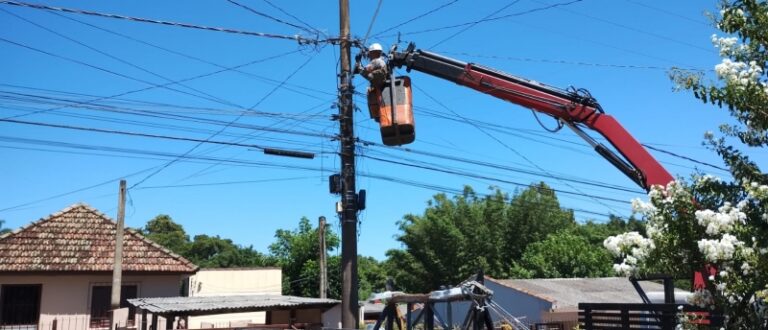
(573, 108)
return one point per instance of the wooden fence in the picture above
(594, 316)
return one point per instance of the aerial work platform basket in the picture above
(395, 122)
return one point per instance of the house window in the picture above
(20, 304)
(101, 296)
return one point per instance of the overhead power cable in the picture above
(294, 17)
(267, 16)
(668, 12)
(521, 13)
(568, 62)
(76, 190)
(641, 31)
(507, 168)
(507, 146)
(223, 128)
(422, 15)
(298, 38)
(194, 58)
(232, 162)
(476, 176)
(121, 60)
(473, 24)
(373, 20)
(147, 135)
(685, 157)
(164, 85)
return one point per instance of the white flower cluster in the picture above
(632, 246)
(719, 250)
(739, 73)
(728, 46)
(644, 208)
(757, 191)
(722, 221)
(702, 179)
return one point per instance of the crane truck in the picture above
(391, 105)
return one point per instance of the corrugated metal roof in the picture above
(567, 293)
(227, 304)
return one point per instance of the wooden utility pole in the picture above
(117, 271)
(323, 270)
(348, 214)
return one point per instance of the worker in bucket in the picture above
(376, 70)
(376, 73)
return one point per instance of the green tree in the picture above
(726, 226)
(563, 254)
(596, 232)
(216, 252)
(534, 214)
(296, 251)
(372, 276)
(164, 231)
(454, 238)
(203, 250)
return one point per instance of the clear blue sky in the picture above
(620, 50)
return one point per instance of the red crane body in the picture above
(573, 108)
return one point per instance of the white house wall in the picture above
(67, 297)
(233, 281)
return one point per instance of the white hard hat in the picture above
(375, 46)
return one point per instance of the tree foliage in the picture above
(563, 254)
(297, 252)
(724, 233)
(454, 238)
(205, 251)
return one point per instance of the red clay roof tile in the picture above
(81, 239)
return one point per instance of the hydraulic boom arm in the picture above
(573, 108)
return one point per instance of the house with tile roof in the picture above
(56, 272)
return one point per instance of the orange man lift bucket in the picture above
(396, 123)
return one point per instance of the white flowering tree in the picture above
(708, 225)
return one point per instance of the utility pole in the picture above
(323, 270)
(117, 271)
(348, 214)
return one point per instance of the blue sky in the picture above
(619, 50)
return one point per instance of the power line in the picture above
(525, 12)
(164, 85)
(422, 15)
(133, 65)
(242, 163)
(668, 12)
(294, 17)
(473, 24)
(75, 191)
(223, 128)
(254, 11)
(453, 191)
(476, 176)
(685, 157)
(568, 62)
(506, 145)
(624, 26)
(191, 57)
(299, 39)
(373, 20)
(138, 134)
(509, 168)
